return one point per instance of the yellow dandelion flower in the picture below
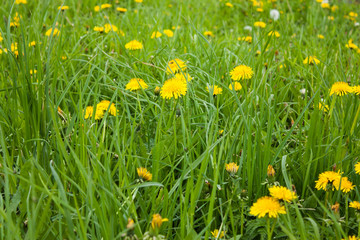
(89, 112)
(267, 206)
(156, 34)
(274, 33)
(334, 8)
(144, 174)
(209, 34)
(157, 221)
(138, 1)
(136, 84)
(282, 193)
(1, 38)
(260, 24)
(134, 45)
(217, 234)
(320, 36)
(323, 107)
(331, 18)
(20, 2)
(168, 33)
(259, 10)
(63, 8)
(241, 72)
(353, 14)
(325, 5)
(357, 167)
(176, 65)
(232, 167)
(33, 71)
(120, 9)
(311, 60)
(246, 39)
(215, 89)
(106, 5)
(183, 77)
(109, 27)
(353, 237)
(355, 205)
(173, 88)
(340, 89)
(54, 33)
(351, 45)
(99, 29)
(230, 5)
(237, 86)
(326, 178)
(344, 184)
(31, 44)
(103, 106)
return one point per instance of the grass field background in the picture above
(66, 177)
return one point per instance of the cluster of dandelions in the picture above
(100, 109)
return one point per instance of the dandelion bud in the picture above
(270, 171)
(130, 224)
(157, 91)
(232, 168)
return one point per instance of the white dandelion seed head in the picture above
(356, 24)
(303, 91)
(248, 28)
(274, 14)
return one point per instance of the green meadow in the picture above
(187, 119)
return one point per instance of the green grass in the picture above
(66, 177)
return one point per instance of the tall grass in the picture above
(64, 177)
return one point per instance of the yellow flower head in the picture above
(246, 39)
(136, 84)
(340, 89)
(355, 205)
(311, 60)
(103, 106)
(157, 221)
(89, 112)
(173, 88)
(351, 45)
(1, 38)
(156, 34)
(144, 174)
(216, 90)
(357, 168)
(282, 193)
(63, 8)
(323, 107)
(54, 33)
(106, 5)
(326, 178)
(267, 206)
(229, 5)
(109, 27)
(353, 237)
(119, 9)
(134, 45)
(168, 33)
(209, 34)
(31, 44)
(325, 5)
(185, 77)
(138, 1)
(232, 167)
(260, 24)
(241, 72)
(217, 234)
(344, 184)
(99, 29)
(175, 65)
(20, 2)
(320, 36)
(274, 33)
(237, 86)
